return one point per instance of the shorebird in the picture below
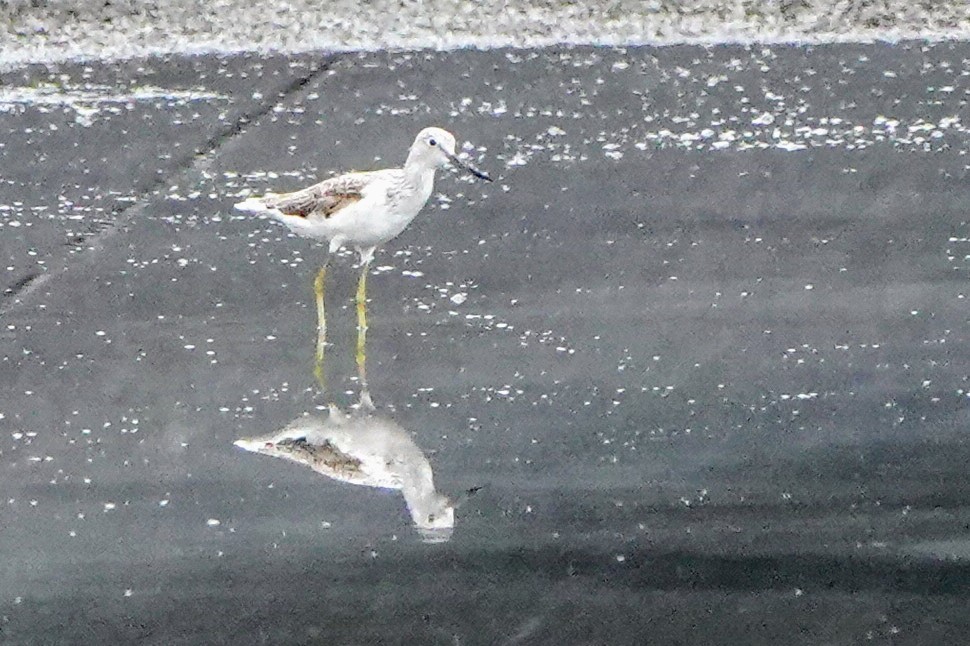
(362, 210)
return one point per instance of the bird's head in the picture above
(435, 147)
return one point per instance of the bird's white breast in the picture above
(388, 207)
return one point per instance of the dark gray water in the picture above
(703, 342)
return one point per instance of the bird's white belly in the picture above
(375, 220)
(362, 227)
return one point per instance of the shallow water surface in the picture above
(702, 345)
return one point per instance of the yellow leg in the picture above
(362, 325)
(318, 289)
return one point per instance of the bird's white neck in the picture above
(419, 174)
(418, 165)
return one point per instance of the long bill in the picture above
(465, 167)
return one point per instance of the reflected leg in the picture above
(362, 323)
(318, 289)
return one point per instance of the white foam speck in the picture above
(764, 119)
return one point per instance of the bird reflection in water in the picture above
(365, 447)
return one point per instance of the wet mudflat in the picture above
(703, 343)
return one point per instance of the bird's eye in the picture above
(432, 142)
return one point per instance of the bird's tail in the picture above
(252, 205)
(259, 206)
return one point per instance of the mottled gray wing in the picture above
(323, 457)
(323, 199)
